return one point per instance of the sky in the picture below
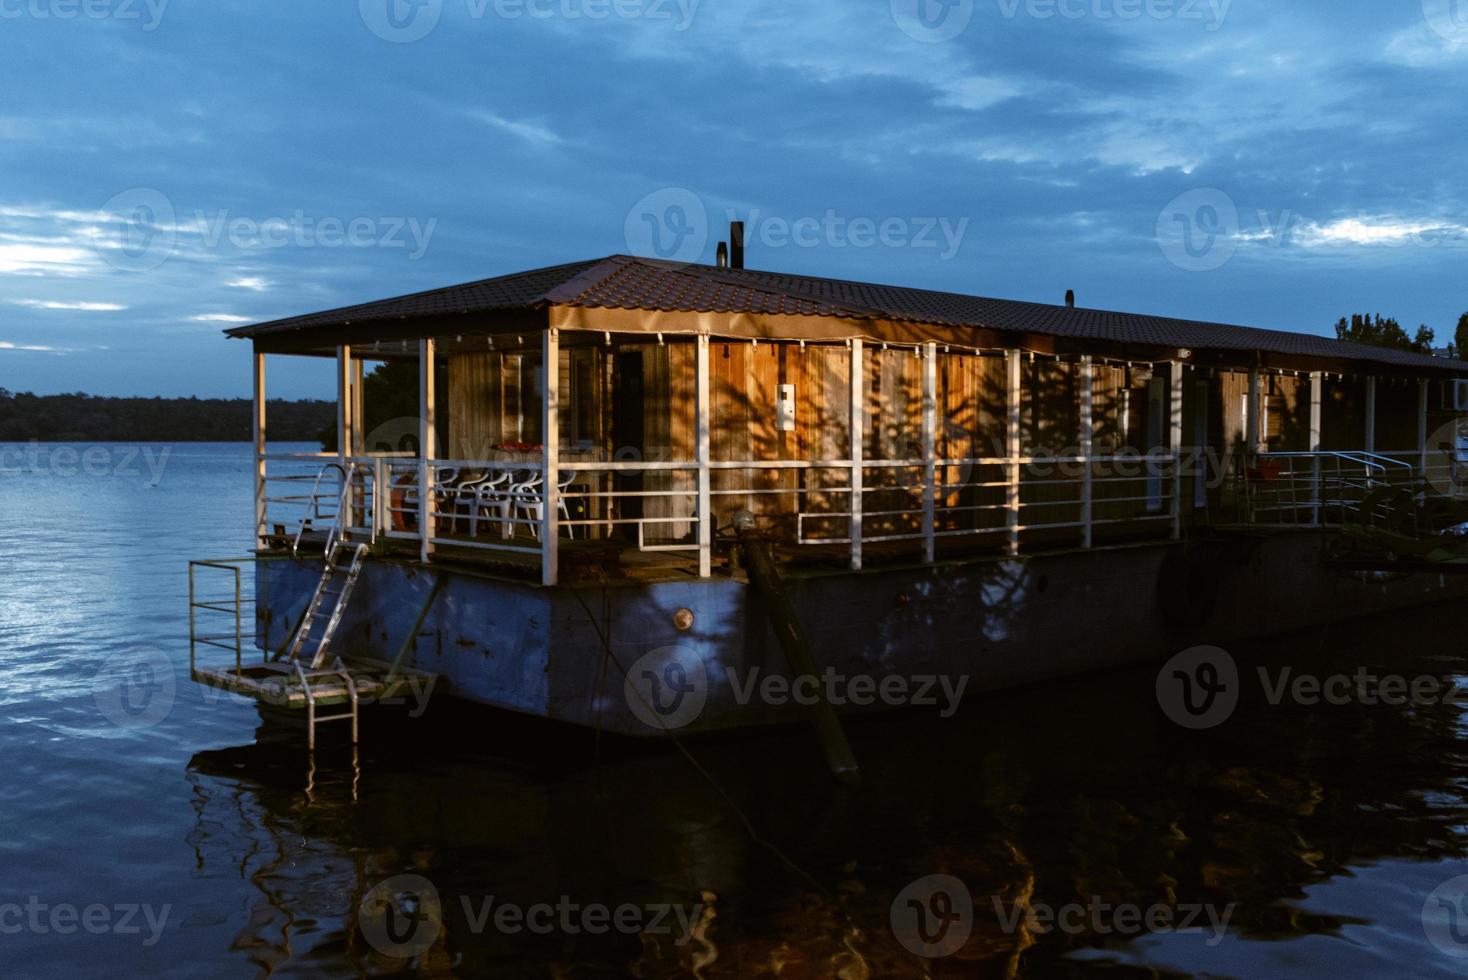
(172, 168)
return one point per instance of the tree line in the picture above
(1380, 331)
(89, 418)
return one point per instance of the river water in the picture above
(150, 830)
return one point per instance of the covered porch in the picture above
(637, 449)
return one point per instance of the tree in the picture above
(1424, 340)
(1460, 338)
(1380, 332)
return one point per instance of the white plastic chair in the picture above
(488, 496)
(531, 501)
(526, 498)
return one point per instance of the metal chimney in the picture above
(723, 259)
(1070, 298)
(736, 244)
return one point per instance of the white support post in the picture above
(344, 403)
(550, 523)
(1088, 436)
(1371, 413)
(1317, 402)
(260, 439)
(1251, 416)
(359, 407)
(1012, 449)
(1422, 426)
(857, 386)
(1175, 444)
(427, 443)
(930, 451)
(705, 476)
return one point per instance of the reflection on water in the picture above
(1321, 830)
(1312, 823)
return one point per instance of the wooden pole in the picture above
(550, 524)
(858, 407)
(1012, 450)
(261, 515)
(1251, 416)
(1175, 444)
(930, 450)
(427, 446)
(706, 518)
(1087, 434)
(1371, 413)
(1422, 426)
(766, 579)
(343, 403)
(1317, 404)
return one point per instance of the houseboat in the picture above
(953, 486)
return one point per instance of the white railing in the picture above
(498, 506)
(1315, 489)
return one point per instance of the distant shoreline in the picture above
(26, 417)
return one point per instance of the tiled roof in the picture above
(624, 282)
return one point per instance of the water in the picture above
(1325, 828)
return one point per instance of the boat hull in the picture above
(926, 631)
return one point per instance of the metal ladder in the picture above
(337, 671)
(341, 567)
(336, 585)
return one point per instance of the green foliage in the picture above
(390, 404)
(1460, 338)
(86, 418)
(1382, 331)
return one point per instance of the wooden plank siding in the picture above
(636, 402)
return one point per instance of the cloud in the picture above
(221, 318)
(8, 345)
(255, 283)
(33, 257)
(529, 132)
(41, 304)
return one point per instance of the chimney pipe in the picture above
(736, 244)
(723, 259)
(1070, 298)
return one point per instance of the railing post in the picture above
(1422, 426)
(1175, 444)
(706, 517)
(1087, 434)
(857, 390)
(1012, 448)
(930, 450)
(1316, 406)
(427, 446)
(550, 514)
(261, 515)
(1371, 413)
